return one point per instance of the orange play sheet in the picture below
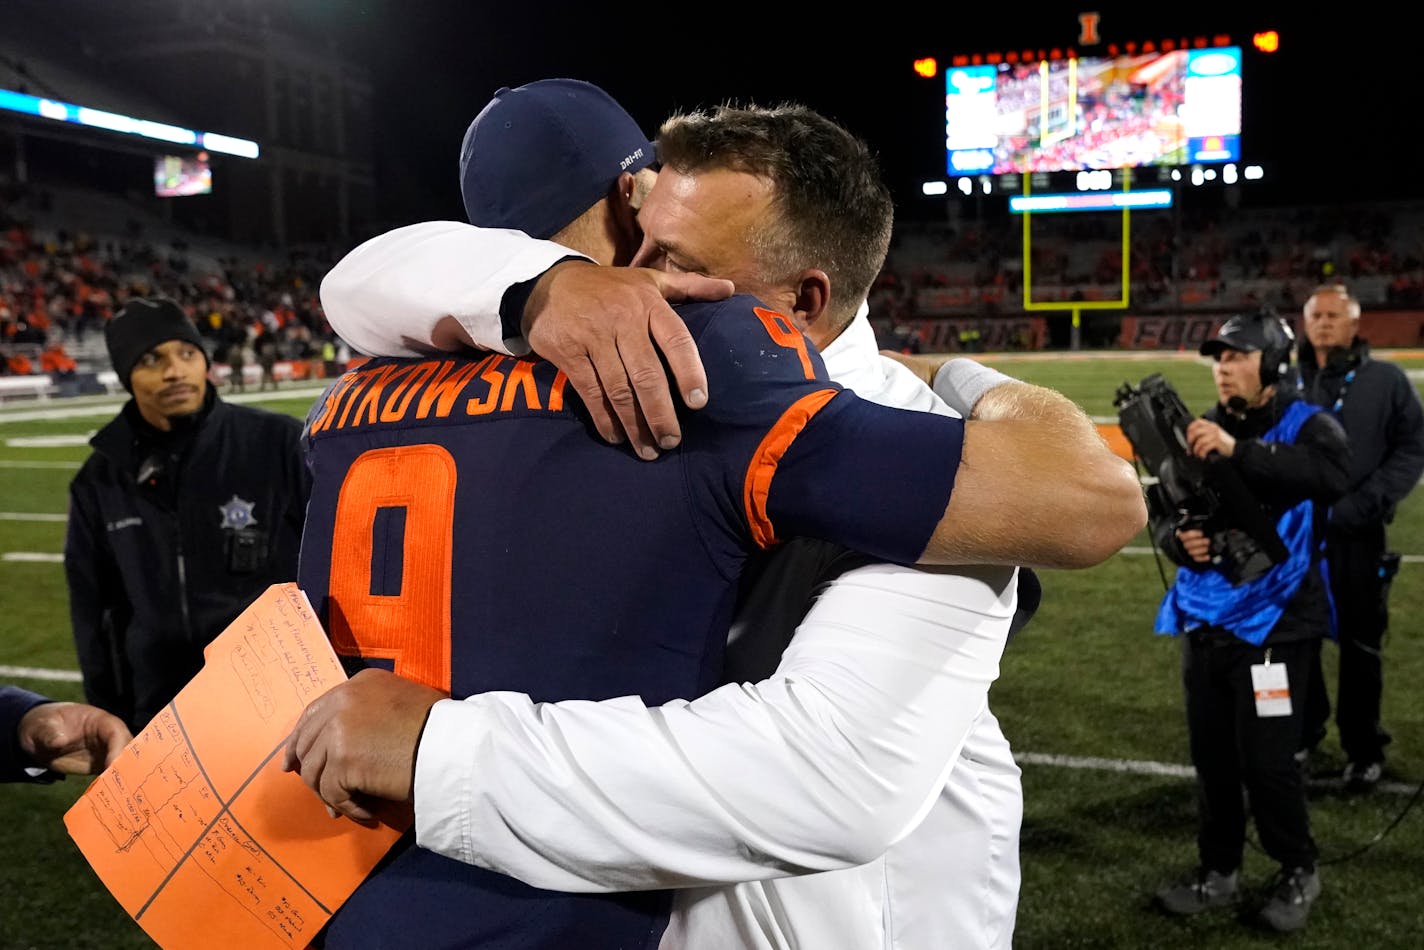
(195, 828)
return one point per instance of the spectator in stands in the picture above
(267, 359)
(57, 362)
(65, 281)
(188, 508)
(237, 363)
(328, 359)
(1382, 416)
(41, 739)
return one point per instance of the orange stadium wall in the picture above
(1385, 329)
(996, 334)
(283, 371)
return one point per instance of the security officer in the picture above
(1248, 641)
(188, 508)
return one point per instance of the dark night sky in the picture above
(1342, 96)
(1321, 100)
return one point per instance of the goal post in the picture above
(1076, 307)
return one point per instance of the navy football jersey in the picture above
(470, 529)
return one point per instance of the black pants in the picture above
(1233, 750)
(1362, 616)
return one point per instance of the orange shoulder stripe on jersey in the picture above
(762, 467)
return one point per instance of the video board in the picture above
(1177, 107)
(175, 176)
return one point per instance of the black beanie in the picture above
(139, 326)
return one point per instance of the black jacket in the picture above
(157, 569)
(1281, 475)
(1385, 422)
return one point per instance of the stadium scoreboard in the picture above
(1093, 116)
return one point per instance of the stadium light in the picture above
(113, 122)
(1267, 41)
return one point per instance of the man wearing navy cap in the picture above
(188, 508)
(676, 761)
(573, 141)
(560, 142)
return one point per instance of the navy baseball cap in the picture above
(540, 155)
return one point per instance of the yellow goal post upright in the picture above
(1076, 307)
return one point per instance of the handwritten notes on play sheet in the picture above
(195, 828)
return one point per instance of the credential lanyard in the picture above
(1344, 388)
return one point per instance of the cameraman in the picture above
(1247, 647)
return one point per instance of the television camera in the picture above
(1207, 494)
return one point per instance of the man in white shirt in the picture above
(870, 749)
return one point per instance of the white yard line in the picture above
(66, 466)
(36, 673)
(73, 440)
(105, 407)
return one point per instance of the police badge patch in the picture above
(237, 514)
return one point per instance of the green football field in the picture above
(1088, 696)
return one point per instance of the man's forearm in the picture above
(960, 381)
(822, 766)
(431, 287)
(1037, 485)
